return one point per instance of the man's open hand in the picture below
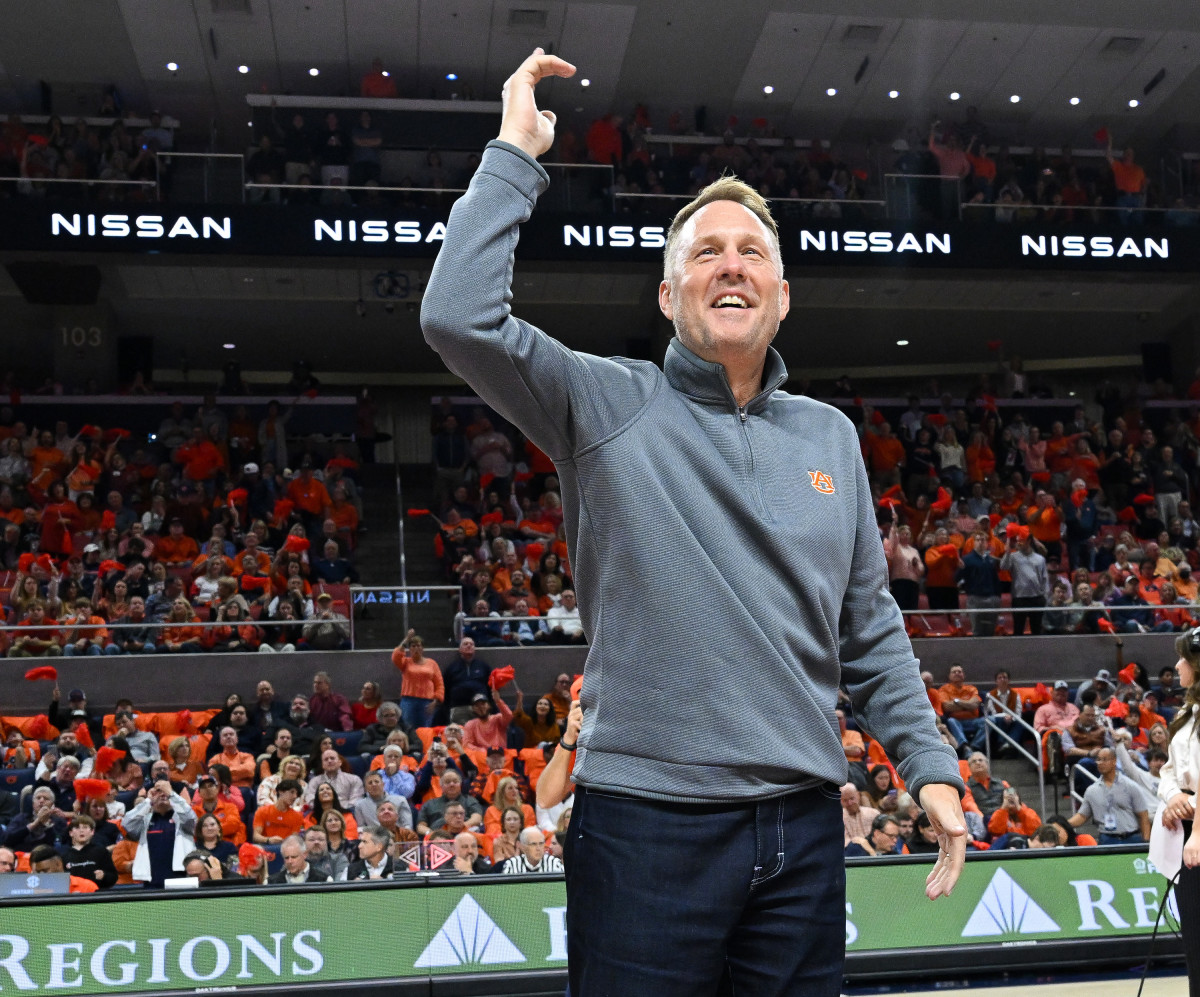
(522, 124)
(941, 803)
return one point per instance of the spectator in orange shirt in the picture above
(982, 166)
(176, 547)
(311, 499)
(885, 452)
(981, 460)
(961, 708)
(59, 519)
(1129, 179)
(46, 460)
(276, 821)
(377, 83)
(342, 511)
(1060, 451)
(1045, 524)
(941, 569)
(38, 636)
(83, 632)
(202, 461)
(1013, 817)
(180, 633)
(207, 801)
(240, 763)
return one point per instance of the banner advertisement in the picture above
(209, 941)
(417, 233)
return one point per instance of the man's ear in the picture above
(665, 304)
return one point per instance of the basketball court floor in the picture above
(1122, 986)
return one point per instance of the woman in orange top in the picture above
(508, 797)
(507, 842)
(1045, 523)
(85, 470)
(90, 518)
(981, 461)
(422, 687)
(184, 768)
(325, 803)
(342, 511)
(941, 565)
(180, 634)
(113, 603)
(60, 518)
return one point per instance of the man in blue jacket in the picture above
(711, 856)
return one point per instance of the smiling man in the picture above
(736, 475)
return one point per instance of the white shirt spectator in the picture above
(547, 818)
(568, 619)
(347, 785)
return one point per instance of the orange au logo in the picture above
(821, 481)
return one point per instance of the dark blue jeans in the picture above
(684, 900)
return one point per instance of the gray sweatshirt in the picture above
(727, 562)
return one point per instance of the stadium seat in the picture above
(347, 743)
(14, 780)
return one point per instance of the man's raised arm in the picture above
(560, 399)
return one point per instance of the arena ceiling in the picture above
(670, 54)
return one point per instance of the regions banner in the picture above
(212, 941)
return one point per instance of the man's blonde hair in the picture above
(726, 188)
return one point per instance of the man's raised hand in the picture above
(522, 124)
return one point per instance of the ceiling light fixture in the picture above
(585, 83)
(901, 342)
(452, 77)
(1073, 101)
(230, 346)
(1133, 103)
(314, 71)
(1015, 99)
(250, 123)
(893, 94)
(955, 95)
(243, 70)
(831, 92)
(768, 89)
(172, 66)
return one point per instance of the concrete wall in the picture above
(174, 682)
(1030, 660)
(162, 682)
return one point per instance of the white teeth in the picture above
(732, 299)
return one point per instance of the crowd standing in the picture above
(112, 545)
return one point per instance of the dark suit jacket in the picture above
(358, 869)
(314, 876)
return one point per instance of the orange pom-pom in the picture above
(91, 789)
(106, 758)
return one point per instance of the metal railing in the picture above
(1114, 614)
(917, 195)
(385, 595)
(1014, 212)
(28, 185)
(209, 162)
(997, 709)
(461, 620)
